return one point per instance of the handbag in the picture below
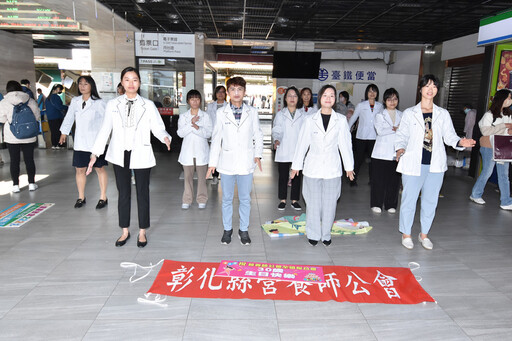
(502, 149)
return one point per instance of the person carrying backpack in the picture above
(16, 107)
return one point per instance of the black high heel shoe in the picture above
(120, 242)
(142, 244)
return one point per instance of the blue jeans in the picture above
(429, 184)
(244, 184)
(487, 168)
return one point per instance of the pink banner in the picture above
(276, 272)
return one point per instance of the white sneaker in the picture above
(407, 243)
(15, 189)
(376, 209)
(201, 206)
(479, 201)
(392, 210)
(185, 206)
(32, 187)
(507, 207)
(426, 243)
(53, 147)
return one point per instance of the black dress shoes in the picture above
(120, 242)
(142, 244)
(79, 203)
(102, 203)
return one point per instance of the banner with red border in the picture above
(389, 285)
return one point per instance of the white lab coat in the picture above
(88, 122)
(212, 111)
(234, 146)
(286, 131)
(365, 128)
(148, 120)
(195, 142)
(323, 158)
(384, 148)
(411, 132)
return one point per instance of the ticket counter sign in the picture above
(276, 272)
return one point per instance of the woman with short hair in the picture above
(421, 155)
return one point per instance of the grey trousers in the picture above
(321, 197)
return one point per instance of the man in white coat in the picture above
(236, 150)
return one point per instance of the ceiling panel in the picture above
(371, 21)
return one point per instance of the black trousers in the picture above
(362, 149)
(55, 130)
(28, 155)
(124, 188)
(385, 184)
(284, 174)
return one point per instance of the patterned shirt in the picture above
(237, 112)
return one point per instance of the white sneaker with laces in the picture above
(15, 189)
(376, 209)
(392, 210)
(407, 243)
(185, 206)
(479, 201)
(426, 243)
(507, 207)
(32, 187)
(202, 206)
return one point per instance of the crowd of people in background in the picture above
(313, 143)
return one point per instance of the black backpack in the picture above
(24, 124)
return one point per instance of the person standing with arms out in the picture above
(236, 150)
(55, 114)
(497, 121)
(323, 136)
(131, 119)
(366, 134)
(421, 156)
(386, 181)
(86, 112)
(195, 128)
(219, 101)
(285, 133)
(16, 96)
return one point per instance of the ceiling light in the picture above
(429, 49)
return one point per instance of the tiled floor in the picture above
(61, 278)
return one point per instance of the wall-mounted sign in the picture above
(164, 45)
(151, 61)
(495, 29)
(17, 15)
(352, 71)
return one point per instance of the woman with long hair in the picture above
(421, 155)
(497, 121)
(219, 101)
(366, 134)
(86, 112)
(285, 133)
(322, 138)
(131, 119)
(306, 101)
